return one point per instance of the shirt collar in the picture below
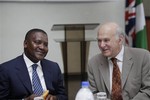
(120, 55)
(28, 61)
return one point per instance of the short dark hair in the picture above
(34, 30)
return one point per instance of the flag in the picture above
(135, 26)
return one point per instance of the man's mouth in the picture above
(40, 53)
(104, 50)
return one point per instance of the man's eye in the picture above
(106, 40)
(46, 44)
(99, 40)
(37, 42)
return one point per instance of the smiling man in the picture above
(120, 71)
(17, 76)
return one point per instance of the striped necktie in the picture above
(116, 82)
(37, 87)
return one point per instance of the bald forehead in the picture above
(108, 27)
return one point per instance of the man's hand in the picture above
(51, 97)
(31, 97)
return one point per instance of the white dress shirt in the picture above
(119, 62)
(29, 64)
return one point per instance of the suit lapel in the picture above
(22, 73)
(46, 73)
(104, 69)
(127, 65)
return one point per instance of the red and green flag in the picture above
(135, 25)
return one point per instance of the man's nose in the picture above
(42, 46)
(102, 44)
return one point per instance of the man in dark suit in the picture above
(133, 63)
(16, 74)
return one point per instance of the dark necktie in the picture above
(116, 93)
(37, 87)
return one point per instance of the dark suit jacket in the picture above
(15, 82)
(135, 74)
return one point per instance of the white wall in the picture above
(146, 7)
(16, 18)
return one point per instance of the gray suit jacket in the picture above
(135, 74)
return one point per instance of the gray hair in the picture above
(119, 33)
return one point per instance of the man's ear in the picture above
(121, 39)
(25, 43)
